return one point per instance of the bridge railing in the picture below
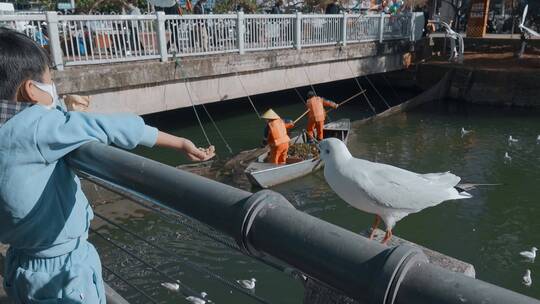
(97, 39)
(266, 225)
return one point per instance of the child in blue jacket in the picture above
(44, 215)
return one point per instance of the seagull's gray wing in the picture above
(397, 188)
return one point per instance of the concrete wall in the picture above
(149, 87)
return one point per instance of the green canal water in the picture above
(487, 231)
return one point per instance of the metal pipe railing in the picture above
(265, 223)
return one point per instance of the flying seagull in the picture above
(530, 255)
(527, 280)
(522, 26)
(465, 132)
(388, 192)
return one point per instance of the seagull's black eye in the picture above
(327, 151)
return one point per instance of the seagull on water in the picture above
(247, 284)
(196, 300)
(465, 132)
(507, 158)
(527, 280)
(530, 255)
(512, 140)
(388, 192)
(171, 286)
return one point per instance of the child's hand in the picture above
(77, 103)
(205, 154)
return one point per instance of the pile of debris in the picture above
(303, 151)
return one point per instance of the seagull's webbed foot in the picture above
(374, 227)
(387, 237)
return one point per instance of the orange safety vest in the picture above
(278, 133)
(316, 109)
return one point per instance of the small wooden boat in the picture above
(265, 175)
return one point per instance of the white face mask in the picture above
(49, 89)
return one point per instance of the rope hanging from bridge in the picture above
(361, 89)
(248, 96)
(378, 93)
(179, 64)
(391, 88)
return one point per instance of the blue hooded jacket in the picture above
(43, 211)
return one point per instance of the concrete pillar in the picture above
(162, 40)
(298, 31)
(241, 32)
(344, 29)
(54, 40)
(381, 28)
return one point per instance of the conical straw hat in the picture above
(270, 114)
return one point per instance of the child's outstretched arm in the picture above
(185, 145)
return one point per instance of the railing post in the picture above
(54, 40)
(413, 26)
(381, 28)
(298, 31)
(241, 31)
(344, 29)
(162, 40)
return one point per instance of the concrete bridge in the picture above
(152, 63)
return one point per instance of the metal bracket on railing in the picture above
(254, 206)
(398, 261)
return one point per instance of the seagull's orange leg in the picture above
(387, 236)
(374, 227)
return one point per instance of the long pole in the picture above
(339, 104)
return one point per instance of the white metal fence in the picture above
(95, 39)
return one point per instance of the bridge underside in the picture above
(150, 87)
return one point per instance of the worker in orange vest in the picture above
(317, 115)
(276, 137)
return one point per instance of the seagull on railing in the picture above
(465, 132)
(527, 280)
(247, 284)
(529, 255)
(512, 140)
(507, 158)
(388, 192)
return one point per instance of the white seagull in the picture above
(171, 286)
(196, 300)
(530, 255)
(465, 132)
(527, 280)
(538, 139)
(507, 157)
(247, 284)
(525, 29)
(388, 192)
(512, 140)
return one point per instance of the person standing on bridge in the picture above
(317, 114)
(44, 215)
(275, 135)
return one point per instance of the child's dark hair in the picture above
(20, 59)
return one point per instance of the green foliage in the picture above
(224, 6)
